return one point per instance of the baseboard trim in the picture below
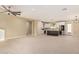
(15, 37)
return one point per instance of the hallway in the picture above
(41, 44)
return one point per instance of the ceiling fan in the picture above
(15, 13)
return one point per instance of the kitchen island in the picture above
(53, 32)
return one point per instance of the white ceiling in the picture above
(48, 12)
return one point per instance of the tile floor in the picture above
(41, 45)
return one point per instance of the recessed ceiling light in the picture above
(33, 9)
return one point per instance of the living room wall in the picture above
(75, 29)
(14, 26)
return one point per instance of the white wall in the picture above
(39, 28)
(14, 26)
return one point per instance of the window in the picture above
(2, 35)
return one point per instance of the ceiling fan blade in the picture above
(5, 8)
(8, 10)
(18, 12)
(12, 12)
